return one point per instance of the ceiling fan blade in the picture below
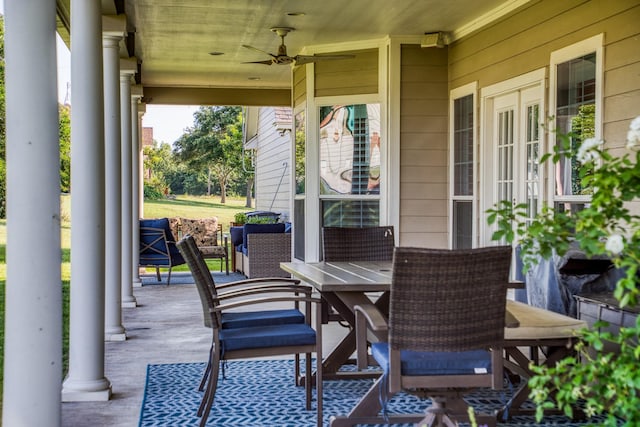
(306, 59)
(258, 50)
(265, 62)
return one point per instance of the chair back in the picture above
(358, 244)
(448, 300)
(202, 277)
(157, 245)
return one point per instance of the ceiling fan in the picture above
(282, 58)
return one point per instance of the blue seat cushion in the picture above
(232, 320)
(434, 363)
(267, 336)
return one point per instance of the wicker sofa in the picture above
(261, 249)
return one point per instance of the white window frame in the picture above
(457, 93)
(560, 56)
(536, 78)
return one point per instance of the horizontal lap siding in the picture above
(523, 42)
(299, 85)
(423, 147)
(273, 151)
(348, 76)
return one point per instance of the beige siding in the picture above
(272, 188)
(423, 147)
(299, 85)
(349, 76)
(525, 40)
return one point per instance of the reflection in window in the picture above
(575, 116)
(300, 152)
(350, 149)
(350, 213)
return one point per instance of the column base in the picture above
(137, 283)
(129, 301)
(86, 391)
(115, 337)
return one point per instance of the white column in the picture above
(136, 95)
(86, 380)
(142, 108)
(114, 331)
(33, 304)
(127, 70)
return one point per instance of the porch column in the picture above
(86, 380)
(136, 96)
(128, 68)
(114, 331)
(33, 304)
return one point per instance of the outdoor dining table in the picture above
(347, 284)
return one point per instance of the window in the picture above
(300, 180)
(350, 157)
(575, 73)
(463, 179)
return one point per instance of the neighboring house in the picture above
(268, 134)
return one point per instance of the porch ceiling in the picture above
(173, 38)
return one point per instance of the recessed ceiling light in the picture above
(216, 53)
(295, 13)
(254, 78)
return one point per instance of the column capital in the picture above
(114, 26)
(128, 67)
(136, 92)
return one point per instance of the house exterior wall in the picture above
(272, 176)
(423, 147)
(299, 85)
(524, 41)
(349, 77)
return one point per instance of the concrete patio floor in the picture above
(165, 327)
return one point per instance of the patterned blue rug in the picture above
(261, 393)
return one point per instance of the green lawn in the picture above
(183, 206)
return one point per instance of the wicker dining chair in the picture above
(358, 244)
(444, 335)
(247, 334)
(355, 244)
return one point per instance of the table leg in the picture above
(555, 349)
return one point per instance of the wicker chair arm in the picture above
(368, 315)
(275, 280)
(264, 290)
(299, 299)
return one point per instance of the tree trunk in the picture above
(249, 191)
(209, 181)
(223, 190)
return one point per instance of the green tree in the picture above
(214, 145)
(158, 163)
(64, 134)
(3, 168)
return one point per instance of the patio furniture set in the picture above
(436, 322)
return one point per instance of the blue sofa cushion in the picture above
(236, 236)
(259, 228)
(434, 363)
(267, 336)
(232, 320)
